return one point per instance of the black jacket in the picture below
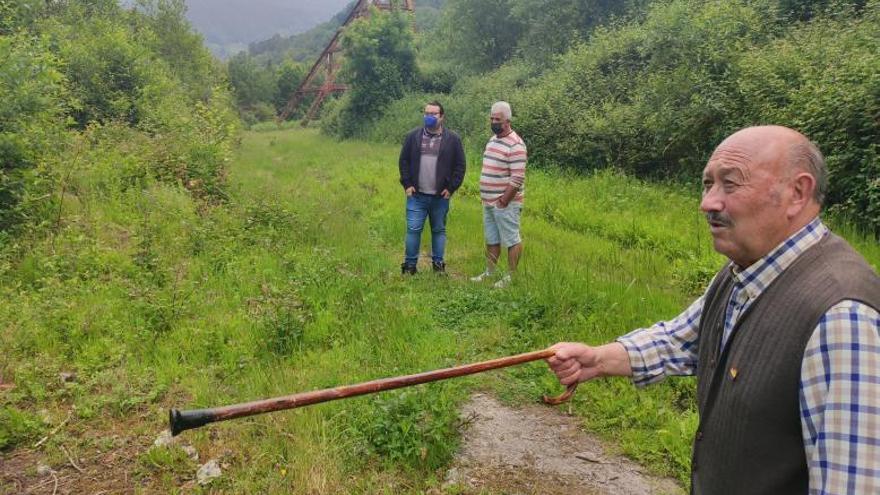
(450, 161)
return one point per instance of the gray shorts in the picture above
(501, 225)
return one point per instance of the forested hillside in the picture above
(645, 87)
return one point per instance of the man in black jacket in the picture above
(432, 167)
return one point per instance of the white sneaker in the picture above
(483, 276)
(503, 282)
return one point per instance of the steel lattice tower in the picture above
(328, 63)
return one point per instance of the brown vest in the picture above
(749, 440)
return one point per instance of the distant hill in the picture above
(230, 25)
(301, 47)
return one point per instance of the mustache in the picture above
(718, 217)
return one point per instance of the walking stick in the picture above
(185, 420)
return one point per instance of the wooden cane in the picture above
(185, 420)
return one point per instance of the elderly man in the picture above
(501, 192)
(785, 342)
(432, 167)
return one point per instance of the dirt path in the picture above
(538, 450)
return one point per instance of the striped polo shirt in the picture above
(504, 163)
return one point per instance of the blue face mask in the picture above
(431, 121)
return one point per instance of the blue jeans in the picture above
(418, 208)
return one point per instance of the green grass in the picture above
(294, 285)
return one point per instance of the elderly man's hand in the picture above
(575, 363)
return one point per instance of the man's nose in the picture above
(711, 200)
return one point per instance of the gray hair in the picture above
(806, 156)
(503, 108)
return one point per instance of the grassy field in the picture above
(142, 301)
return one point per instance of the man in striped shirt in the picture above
(501, 192)
(785, 342)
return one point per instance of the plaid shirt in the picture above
(840, 371)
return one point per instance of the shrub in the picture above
(647, 97)
(413, 428)
(31, 95)
(16, 427)
(822, 79)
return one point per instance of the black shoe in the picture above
(438, 266)
(407, 269)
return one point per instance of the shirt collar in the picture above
(760, 274)
(427, 133)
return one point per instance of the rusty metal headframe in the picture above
(328, 64)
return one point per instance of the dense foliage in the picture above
(476, 35)
(31, 93)
(261, 87)
(80, 76)
(824, 79)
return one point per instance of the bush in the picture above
(413, 428)
(16, 427)
(822, 79)
(108, 70)
(31, 95)
(648, 97)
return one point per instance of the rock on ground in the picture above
(208, 471)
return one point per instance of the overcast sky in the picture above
(245, 21)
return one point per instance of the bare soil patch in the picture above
(95, 457)
(97, 471)
(536, 449)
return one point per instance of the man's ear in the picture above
(803, 186)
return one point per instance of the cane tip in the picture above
(174, 423)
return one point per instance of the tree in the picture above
(289, 76)
(175, 41)
(19, 14)
(252, 82)
(805, 10)
(380, 65)
(551, 27)
(478, 35)
(108, 71)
